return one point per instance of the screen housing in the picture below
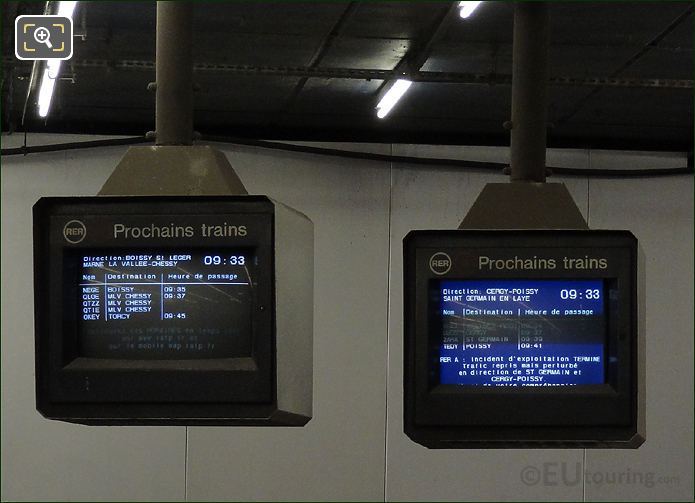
(443, 416)
(119, 391)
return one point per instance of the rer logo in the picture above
(440, 263)
(74, 231)
(43, 37)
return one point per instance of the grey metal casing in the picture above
(294, 308)
(203, 170)
(549, 206)
(524, 205)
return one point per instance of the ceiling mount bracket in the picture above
(529, 91)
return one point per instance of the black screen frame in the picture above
(83, 389)
(473, 416)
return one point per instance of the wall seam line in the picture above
(588, 189)
(588, 219)
(388, 326)
(185, 468)
(584, 476)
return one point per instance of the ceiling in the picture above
(621, 73)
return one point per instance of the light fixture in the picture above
(46, 92)
(391, 97)
(66, 9)
(52, 70)
(467, 8)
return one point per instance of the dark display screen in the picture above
(521, 332)
(168, 304)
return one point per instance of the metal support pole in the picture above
(529, 91)
(174, 67)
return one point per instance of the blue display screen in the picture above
(521, 332)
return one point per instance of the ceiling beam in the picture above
(319, 54)
(654, 42)
(421, 50)
(490, 79)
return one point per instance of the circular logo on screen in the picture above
(74, 231)
(440, 263)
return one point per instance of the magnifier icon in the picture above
(43, 36)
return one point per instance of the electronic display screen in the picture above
(521, 332)
(172, 304)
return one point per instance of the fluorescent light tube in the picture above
(46, 93)
(52, 70)
(66, 9)
(48, 82)
(53, 67)
(467, 8)
(390, 99)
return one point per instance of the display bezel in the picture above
(454, 413)
(118, 388)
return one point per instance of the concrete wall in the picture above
(354, 448)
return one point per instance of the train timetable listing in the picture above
(521, 332)
(164, 286)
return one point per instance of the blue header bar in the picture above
(521, 297)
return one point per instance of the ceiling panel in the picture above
(275, 18)
(118, 15)
(473, 103)
(611, 24)
(233, 93)
(615, 107)
(254, 49)
(393, 19)
(681, 37)
(365, 53)
(470, 57)
(105, 43)
(589, 40)
(662, 63)
(589, 61)
(338, 96)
